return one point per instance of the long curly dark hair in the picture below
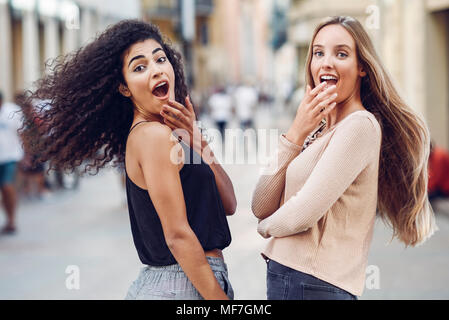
(80, 113)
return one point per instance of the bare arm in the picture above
(168, 199)
(224, 184)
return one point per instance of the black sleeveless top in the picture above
(204, 208)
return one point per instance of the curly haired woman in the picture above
(124, 94)
(354, 145)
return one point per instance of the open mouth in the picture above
(331, 80)
(161, 89)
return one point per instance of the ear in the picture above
(362, 72)
(124, 90)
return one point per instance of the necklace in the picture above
(314, 135)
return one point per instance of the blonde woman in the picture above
(354, 145)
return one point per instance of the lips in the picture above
(160, 89)
(329, 78)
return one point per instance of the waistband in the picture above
(216, 264)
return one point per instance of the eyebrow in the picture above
(337, 46)
(142, 56)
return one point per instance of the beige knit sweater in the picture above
(319, 205)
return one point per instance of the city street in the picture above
(89, 229)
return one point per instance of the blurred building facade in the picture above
(33, 31)
(411, 36)
(230, 42)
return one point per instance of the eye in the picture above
(318, 53)
(162, 59)
(139, 68)
(342, 55)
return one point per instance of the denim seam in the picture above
(323, 288)
(285, 279)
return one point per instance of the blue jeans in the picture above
(171, 283)
(284, 283)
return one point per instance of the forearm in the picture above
(224, 183)
(296, 136)
(270, 186)
(225, 188)
(346, 155)
(190, 255)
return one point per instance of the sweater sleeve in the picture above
(347, 154)
(267, 194)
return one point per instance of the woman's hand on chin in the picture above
(178, 116)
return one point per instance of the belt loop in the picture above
(265, 258)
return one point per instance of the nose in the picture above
(157, 72)
(327, 62)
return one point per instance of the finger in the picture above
(172, 113)
(307, 93)
(171, 118)
(323, 105)
(170, 124)
(178, 106)
(189, 104)
(318, 88)
(326, 92)
(329, 108)
(323, 96)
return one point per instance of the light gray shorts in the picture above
(171, 283)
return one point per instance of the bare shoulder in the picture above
(151, 134)
(154, 145)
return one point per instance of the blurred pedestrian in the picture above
(354, 146)
(438, 173)
(246, 99)
(10, 154)
(125, 92)
(31, 171)
(220, 104)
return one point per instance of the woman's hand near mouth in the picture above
(176, 116)
(315, 105)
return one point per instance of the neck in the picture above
(345, 107)
(148, 117)
(140, 114)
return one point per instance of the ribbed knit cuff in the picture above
(287, 146)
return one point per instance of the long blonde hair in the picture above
(402, 193)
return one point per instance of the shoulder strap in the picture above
(136, 125)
